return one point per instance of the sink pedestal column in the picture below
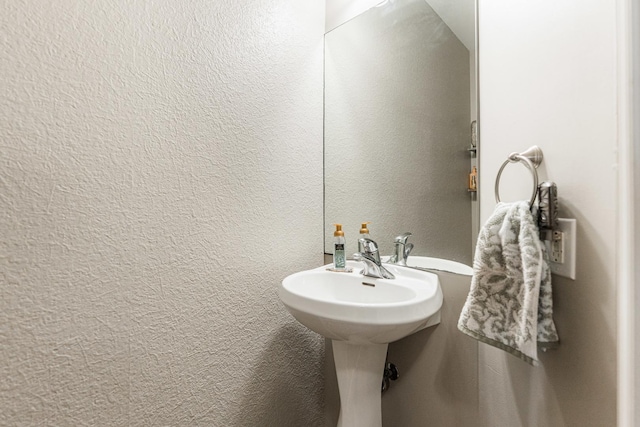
(359, 368)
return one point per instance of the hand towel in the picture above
(509, 304)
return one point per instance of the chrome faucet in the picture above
(403, 249)
(371, 258)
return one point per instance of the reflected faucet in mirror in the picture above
(402, 250)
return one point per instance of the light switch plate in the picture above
(564, 252)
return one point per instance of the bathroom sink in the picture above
(363, 310)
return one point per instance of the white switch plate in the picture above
(567, 268)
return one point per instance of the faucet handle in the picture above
(402, 238)
(368, 245)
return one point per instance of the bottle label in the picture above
(339, 259)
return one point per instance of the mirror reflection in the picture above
(399, 102)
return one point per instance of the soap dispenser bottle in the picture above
(364, 234)
(339, 259)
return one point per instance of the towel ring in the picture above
(531, 159)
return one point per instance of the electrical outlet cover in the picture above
(568, 267)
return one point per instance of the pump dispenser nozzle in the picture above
(363, 228)
(364, 234)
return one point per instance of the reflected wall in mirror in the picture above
(399, 101)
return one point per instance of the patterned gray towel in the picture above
(509, 305)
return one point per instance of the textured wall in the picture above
(548, 77)
(397, 119)
(161, 172)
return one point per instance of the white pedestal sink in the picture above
(362, 315)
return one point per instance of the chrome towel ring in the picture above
(531, 159)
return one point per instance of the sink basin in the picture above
(362, 315)
(352, 307)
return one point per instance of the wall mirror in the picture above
(400, 97)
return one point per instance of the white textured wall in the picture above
(548, 77)
(160, 173)
(397, 129)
